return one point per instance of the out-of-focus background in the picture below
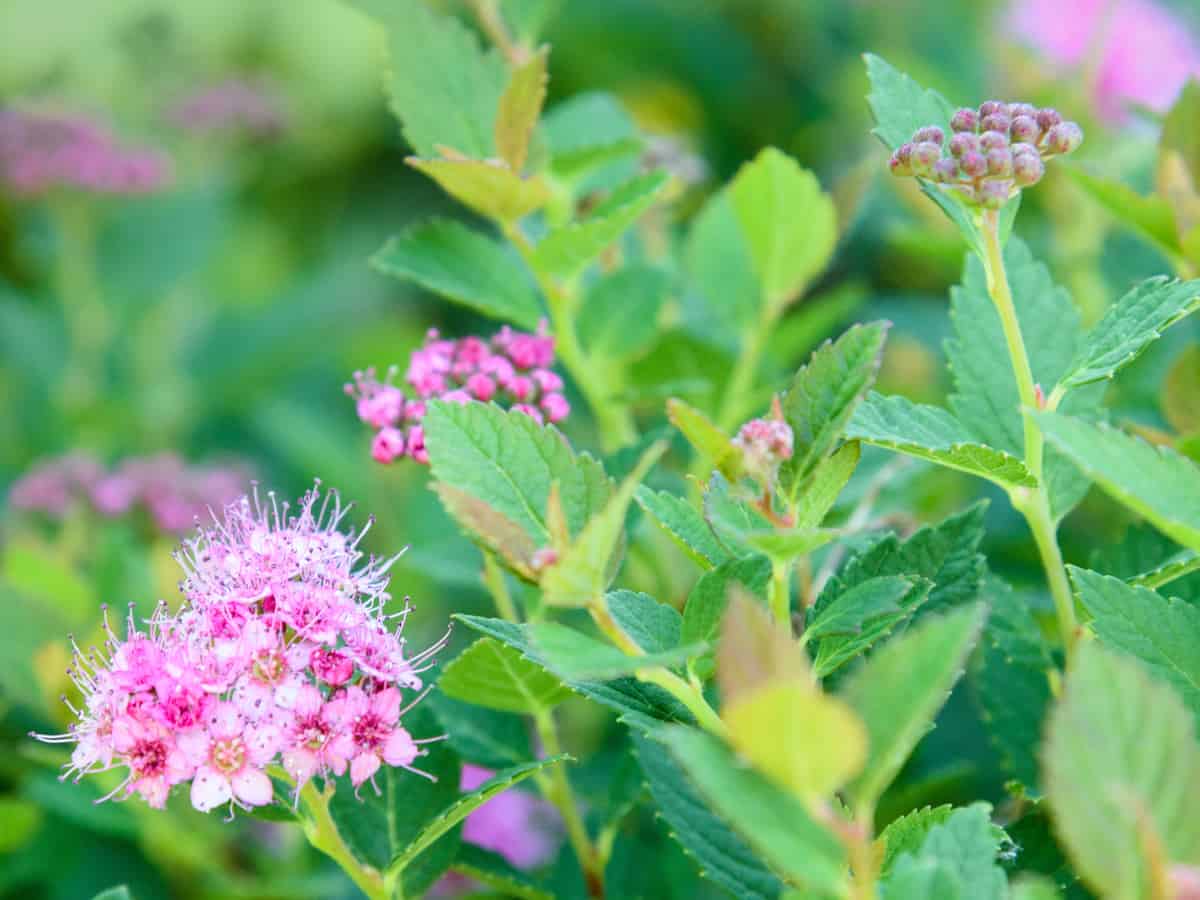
(167, 337)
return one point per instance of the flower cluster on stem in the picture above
(512, 368)
(282, 653)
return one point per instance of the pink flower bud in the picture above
(991, 108)
(416, 444)
(929, 134)
(331, 667)
(1065, 137)
(974, 165)
(556, 407)
(388, 445)
(924, 156)
(1028, 169)
(964, 142)
(546, 380)
(1024, 128)
(521, 387)
(999, 162)
(946, 171)
(994, 194)
(965, 120)
(481, 387)
(992, 140)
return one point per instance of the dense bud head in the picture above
(924, 156)
(1024, 150)
(993, 140)
(1022, 109)
(965, 120)
(946, 170)
(964, 142)
(931, 134)
(999, 162)
(991, 108)
(1028, 169)
(973, 164)
(996, 122)
(1024, 128)
(994, 194)
(1047, 118)
(1064, 138)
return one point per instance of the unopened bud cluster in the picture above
(765, 444)
(992, 152)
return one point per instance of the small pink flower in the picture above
(331, 666)
(309, 736)
(155, 762)
(388, 445)
(372, 735)
(229, 755)
(416, 444)
(379, 404)
(482, 387)
(556, 407)
(519, 826)
(520, 387)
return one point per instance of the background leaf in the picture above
(491, 674)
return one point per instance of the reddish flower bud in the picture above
(964, 142)
(994, 194)
(999, 162)
(965, 120)
(991, 108)
(1022, 109)
(898, 167)
(929, 134)
(996, 122)
(388, 445)
(1064, 138)
(924, 156)
(946, 171)
(1024, 150)
(1047, 118)
(1024, 128)
(973, 165)
(993, 140)
(1028, 169)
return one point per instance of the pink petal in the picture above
(386, 704)
(261, 743)
(308, 700)
(253, 787)
(399, 749)
(194, 745)
(363, 767)
(225, 722)
(210, 789)
(154, 790)
(301, 764)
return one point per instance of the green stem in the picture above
(613, 418)
(322, 833)
(1034, 504)
(780, 594)
(493, 579)
(559, 793)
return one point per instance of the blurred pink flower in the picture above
(252, 108)
(1142, 53)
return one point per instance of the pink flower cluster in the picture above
(173, 493)
(234, 105)
(1140, 52)
(512, 368)
(282, 653)
(41, 151)
(765, 444)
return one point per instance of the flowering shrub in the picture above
(736, 560)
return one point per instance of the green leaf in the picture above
(589, 130)
(1180, 395)
(586, 568)
(1131, 324)
(1010, 678)
(730, 518)
(772, 821)
(487, 187)
(709, 441)
(684, 524)
(1151, 216)
(928, 432)
(641, 705)
(447, 818)
(709, 598)
(620, 313)
(520, 106)
(491, 528)
(824, 395)
(509, 461)
(720, 269)
(653, 626)
(907, 833)
(565, 251)
(120, 892)
(491, 739)
(848, 614)
(493, 870)
(900, 106)
(789, 223)
(1155, 482)
(986, 400)
(376, 825)
(575, 656)
(444, 89)
(1141, 623)
(901, 687)
(721, 854)
(785, 546)
(825, 485)
(1122, 770)
(1146, 557)
(463, 267)
(492, 674)
(956, 861)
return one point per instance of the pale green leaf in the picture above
(1131, 324)
(1160, 632)
(494, 675)
(520, 106)
(709, 598)
(823, 396)
(1122, 769)
(722, 855)
(464, 267)
(576, 656)
(772, 821)
(492, 529)
(848, 614)
(487, 187)
(788, 221)
(720, 269)
(931, 433)
(653, 626)
(685, 525)
(713, 445)
(443, 821)
(587, 567)
(900, 106)
(907, 833)
(589, 130)
(825, 484)
(1150, 215)
(443, 87)
(786, 545)
(620, 313)
(900, 688)
(1180, 395)
(956, 861)
(1155, 482)
(509, 461)
(565, 251)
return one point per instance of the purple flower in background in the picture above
(1139, 52)
(247, 107)
(43, 151)
(172, 492)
